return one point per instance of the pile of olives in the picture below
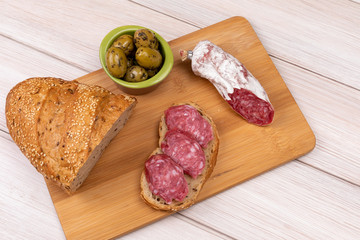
(134, 58)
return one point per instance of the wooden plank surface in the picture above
(329, 108)
(60, 39)
(86, 24)
(106, 207)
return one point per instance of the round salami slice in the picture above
(166, 178)
(187, 119)
(185, 151)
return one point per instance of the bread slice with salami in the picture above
(62, 127)
(188, 148)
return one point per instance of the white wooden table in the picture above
(315, 45)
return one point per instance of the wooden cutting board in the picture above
(109, 205)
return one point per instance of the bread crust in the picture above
(195, 185)
(58, 124)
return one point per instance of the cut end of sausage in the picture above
(252, 108)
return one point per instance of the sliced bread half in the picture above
(62, 127)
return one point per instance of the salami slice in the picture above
(166, 178)
(188, 120)
(185, 151)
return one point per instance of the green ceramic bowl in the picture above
(149, 84)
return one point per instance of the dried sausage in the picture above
(233, 81)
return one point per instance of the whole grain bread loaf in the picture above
(194, 185)
(62, 127)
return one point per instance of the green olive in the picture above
(152, 72)
(130, 62)
(116, 62)
(126, 43)
(136, 74)
(145, 38)
(148, 58)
